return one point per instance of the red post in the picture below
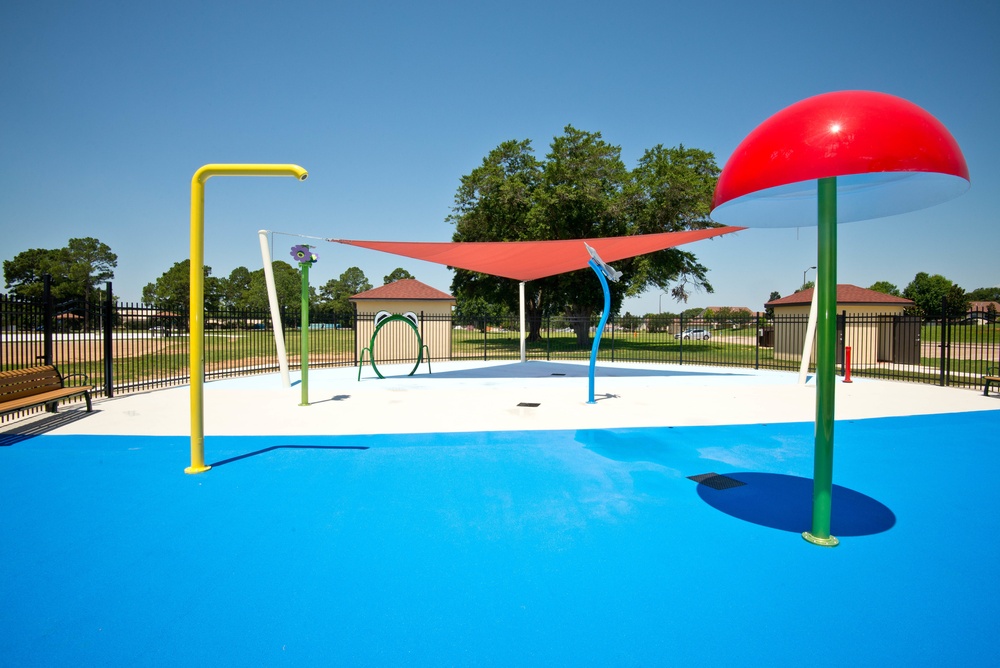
(847, 364)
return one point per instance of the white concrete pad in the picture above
(463, 396)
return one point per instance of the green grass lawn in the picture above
(622, 346)
(987, 334)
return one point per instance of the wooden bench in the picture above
(37, 385)
(990, 377)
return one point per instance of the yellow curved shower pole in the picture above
(197, 304)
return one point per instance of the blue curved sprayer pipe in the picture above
(600, 327)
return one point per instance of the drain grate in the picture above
(558, 374)
(716, 481)
(528, 404)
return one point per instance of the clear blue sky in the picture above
(109, 108)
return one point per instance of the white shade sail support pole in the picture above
(524, 355)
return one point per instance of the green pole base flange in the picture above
(823, 542)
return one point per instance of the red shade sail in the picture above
(890, 157)
(531, 260)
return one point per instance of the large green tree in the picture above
(91, 263)
(336, 293)
(24, 274)
(885, 287)
(769, 310)
(76, 270)
(235, 289)
(476, 311)
(583, 189)
(245, 289)
(985, 294)
(931, 293)
(580, 196)
(172, 290)
(397, 274)
(670, 191)
(287, 287)
(495, 203)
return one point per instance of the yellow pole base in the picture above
(823, 542)
(197, 469)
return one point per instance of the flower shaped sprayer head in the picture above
(303, 254)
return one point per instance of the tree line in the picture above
(78, 272)
(247, 290)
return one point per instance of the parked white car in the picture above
(697, 334)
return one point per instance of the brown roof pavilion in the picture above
(846, 294)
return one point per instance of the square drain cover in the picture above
(716, 481)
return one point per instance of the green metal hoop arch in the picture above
(413, 326)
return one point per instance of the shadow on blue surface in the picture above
(287, 447)
(785, 502)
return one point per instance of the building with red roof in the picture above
(430, 307)
(407, 290)
(876, 327)
(847, 296)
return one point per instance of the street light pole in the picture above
(804, 274)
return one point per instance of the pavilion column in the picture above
(524, 355)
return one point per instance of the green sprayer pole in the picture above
(304, 338)
(826, 362)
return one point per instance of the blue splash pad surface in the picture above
(502, 548)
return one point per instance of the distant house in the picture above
(431, 307)
(983, 312)
(878, 332)
(137, 317)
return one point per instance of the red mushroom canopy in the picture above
(890, 155)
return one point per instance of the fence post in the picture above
(842, 339)
(47, 319)
(680, 337)
(759, 335)
(612, 337)
(355, 321)
(485, 321)
(548, 338)
(944, 335)
(107, 324)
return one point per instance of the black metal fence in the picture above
(126, 347)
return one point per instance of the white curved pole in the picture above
(810, 335)
(272, 299)
(523, 352)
